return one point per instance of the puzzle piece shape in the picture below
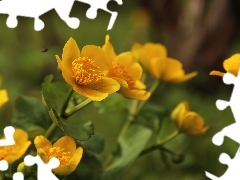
(100, 4)
(230, 131)
(3, 165)
(18, 176)
(8, 133)
(34, 9)
(233, 167)
(44, 170)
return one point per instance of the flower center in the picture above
(59, 153)
(119, 71)
(8, 150)
(85, 71)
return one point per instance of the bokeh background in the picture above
(199, 33)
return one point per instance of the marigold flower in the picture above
(86, 71)
(153, 57)
(3, 95)
(16, 151)
(127, 71)
(187, 121)
(64, 149)
(231, 65)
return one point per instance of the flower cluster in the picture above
(96, 72)
(92, 73)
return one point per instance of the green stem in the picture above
(2, 175)
(77, 107)
(50, 130)
(160, 144)
(65, 104)
(136, 108)
(53, 126)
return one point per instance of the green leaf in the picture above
(131, 145)
(80, 132)
(94, 145)
(54, 95)
(89, 168)
(30, 114)
(148, 119)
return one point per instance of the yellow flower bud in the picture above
(26, 170)
(187, 121)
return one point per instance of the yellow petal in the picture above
(3, 97)
(70, 52)
(98, 55)
(217, 73)
(134, 94)
(11, 158)
(67, 143)
(175, 73)
(107, 85)
(157, 67)
(90, 93)
(42, 143)
(184, 78)
(149, 51)
(139, 85)
(127, 60)
(179, 112)
(20, 136)
(65, 169)
(232, 64)
(67, 74)
(193, 124)
(108, 48)
(77, 156)
(43, 155)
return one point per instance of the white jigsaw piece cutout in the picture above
(231, 131)
(44, 170)
(34, 9)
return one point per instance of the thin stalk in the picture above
(65, 104)
(160, 145)
(77, 107)
(50, 130)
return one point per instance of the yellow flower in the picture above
(16, 151)
(127, 71)
(86, 71)
(3, 95)
(187, 121)
(153, 57)
(64, 149)
(231, 65)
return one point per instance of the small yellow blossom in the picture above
(64, 149)
(153, 57)
(86, 71)
(230, 65)
(3, 95)
(16, 151)
(187, 121)
(125, 69)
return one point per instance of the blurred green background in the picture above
(200, 34)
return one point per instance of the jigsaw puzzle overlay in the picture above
(44, 170)
(231, 131)
(34, 9)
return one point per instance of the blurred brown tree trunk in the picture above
(198, 32)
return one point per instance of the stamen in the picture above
(59, 153)
(119, 71)
(85, 71)
(8, 150)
